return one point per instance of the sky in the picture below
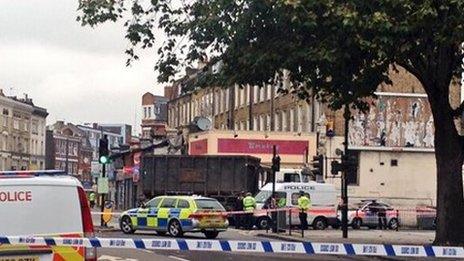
(77, 73)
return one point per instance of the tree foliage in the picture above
(340, 50)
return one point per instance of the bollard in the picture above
(397, 220)
(290, 222)
(302, 229)
(267, 227)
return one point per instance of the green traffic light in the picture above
(104, 159)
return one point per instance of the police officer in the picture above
(239, 207)
(304, 204)
(92, 199)
(249, 205)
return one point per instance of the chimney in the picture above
(168, 92)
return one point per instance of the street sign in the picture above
(102, 187)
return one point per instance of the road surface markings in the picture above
(115, 258)
(178, 258)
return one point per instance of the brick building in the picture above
(72, 150)
(154, 116)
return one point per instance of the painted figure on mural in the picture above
(429, 133)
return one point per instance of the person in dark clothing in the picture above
(382, 215)
(239, 207)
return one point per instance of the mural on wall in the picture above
(394, 121)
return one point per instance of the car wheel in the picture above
(393, 224)
(319, 223)
(211, 234)
(263, 223)
(126, 225)
(356, 224)
(175, 229)
(161, 233)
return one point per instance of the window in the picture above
(296, 196)
(145, 112)
(6, 112)
(168, 203)
(183, 204)
(16, 124)
(34, 127)
(154, 203)
(157, 109)
(149, 112)
(208, 204)
(5, 121)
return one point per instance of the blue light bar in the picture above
(33, 173)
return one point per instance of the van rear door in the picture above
(30, 209)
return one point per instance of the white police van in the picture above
(324, 203)
(44, 203)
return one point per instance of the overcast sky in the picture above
(77, 73)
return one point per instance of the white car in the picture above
(44, 203)
(366, 215)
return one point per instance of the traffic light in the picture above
(103, 151)
(330, 129)
(276, 163)
(318, 165)
(336, 167)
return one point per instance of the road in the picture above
(231, 234)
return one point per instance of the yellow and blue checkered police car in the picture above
(176, 215)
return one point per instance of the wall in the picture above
(255, 143)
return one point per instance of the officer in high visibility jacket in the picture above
(249, 205)
(304, 204)
(92, 199)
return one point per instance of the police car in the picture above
(176, 215)
(44, 203)
(366, 215)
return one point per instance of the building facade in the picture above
(154, 116)
(22, 139)
(72, 150)
(392, 143)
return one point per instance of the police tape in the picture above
(308, 248)
(256, 212)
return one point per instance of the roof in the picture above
(64, 180)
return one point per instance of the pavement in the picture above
(405, 237)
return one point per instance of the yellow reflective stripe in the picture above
(163, 213)
(152, 222)
(185, 213)
(68, 253)
(134, 220)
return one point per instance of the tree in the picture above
(339, 51)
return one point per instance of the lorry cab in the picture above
(323, 196)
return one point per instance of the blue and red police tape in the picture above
(308, 248)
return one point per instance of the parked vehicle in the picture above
(44, 203)
(219, 177)
(366, 214)
(323, 200)
(176, 215)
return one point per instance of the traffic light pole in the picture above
(344, 184)
(274, 214)
(102, 222)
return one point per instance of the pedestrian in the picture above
(304, 204)
(92, 199)
(382, 216)
(239, 207)
(249, 205)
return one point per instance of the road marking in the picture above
(115, 258)
(178, 258)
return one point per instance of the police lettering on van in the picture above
(14, 196)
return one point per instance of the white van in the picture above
(44, 203)
(324, 203)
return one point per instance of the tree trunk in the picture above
(449, 157)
